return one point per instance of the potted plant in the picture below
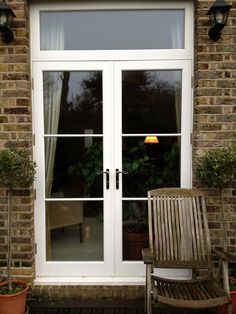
(217, 169)
(17, 170)
(135, 229)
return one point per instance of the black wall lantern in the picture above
(6, 18)
(218, 14)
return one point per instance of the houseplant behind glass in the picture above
(17, 170)
(217, 169)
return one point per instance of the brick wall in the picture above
(15, 124)
(215, 106)
(214, 125)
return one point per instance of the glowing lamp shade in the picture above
(151, 140)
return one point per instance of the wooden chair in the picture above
(179, 239)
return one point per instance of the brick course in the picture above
(214, 126)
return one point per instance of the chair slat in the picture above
(177, 224)
(200, 223)
(192, 230)
(157, 223)
(197, 231)
(150, 221)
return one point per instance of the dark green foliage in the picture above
(16, 288)
(217, 168)
(88, 170)
(146, 173)
(17, 170)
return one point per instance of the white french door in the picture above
(95, 165)
(152, 99)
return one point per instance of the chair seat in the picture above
(195, 294)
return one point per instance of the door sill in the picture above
(90, 281)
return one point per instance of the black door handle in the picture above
(107, 173)
(117, 177)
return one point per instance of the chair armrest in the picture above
(147, 256)
(225, 256)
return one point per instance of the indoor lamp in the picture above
(151, 140)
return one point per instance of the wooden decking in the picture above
(100, 307)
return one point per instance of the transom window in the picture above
(106, 29)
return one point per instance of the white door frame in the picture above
(67, 60)
(112, 121)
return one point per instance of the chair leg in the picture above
(229, 309)
(148, 296)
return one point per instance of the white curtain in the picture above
(178, 105)
(177, 36)
(52, 38)
(52, 34)
(52, 102)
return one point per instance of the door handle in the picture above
(117, 177)
(107, 173)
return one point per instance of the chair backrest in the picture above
(178, 228)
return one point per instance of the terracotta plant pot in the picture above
(133, 243)
(223, 309)
(14, 303)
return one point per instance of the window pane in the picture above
(117, 29)
(150, 166)
(72, 102)
(135, 229)
(71, 167)
(74, 231)
(151, 101)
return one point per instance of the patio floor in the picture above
(100, 307)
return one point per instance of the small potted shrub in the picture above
(217, 169)
(17, 170)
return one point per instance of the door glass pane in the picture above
(73, 105)
(135, 229)
(112, 29)
(72, 102)
(150, 165)
(71, 167)
(74, 230)
(151, 101)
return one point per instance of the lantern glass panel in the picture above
(10, 19)
(220, 16)
(3, 19)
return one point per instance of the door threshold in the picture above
(90, 281)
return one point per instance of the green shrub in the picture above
(217, 168)
(17, 170)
